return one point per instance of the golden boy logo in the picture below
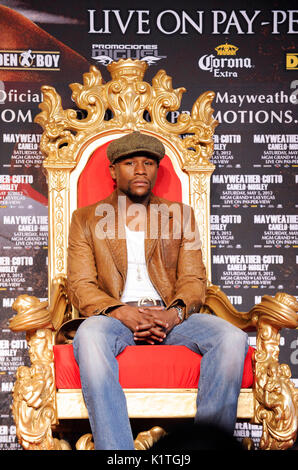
(29, 60)
(292, 61)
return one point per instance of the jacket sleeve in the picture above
(190, 287)
(83, 290)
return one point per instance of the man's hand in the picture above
(149, 324)
(141, 320)
(164, 321)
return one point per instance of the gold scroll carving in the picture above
(34, 393)
(276, 396)
(276, 399)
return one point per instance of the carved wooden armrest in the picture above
(32, 314)
(217, 302)
(279, 311)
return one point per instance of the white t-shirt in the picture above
(138, 284)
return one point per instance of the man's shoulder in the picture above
(162, 202)
(86, 211)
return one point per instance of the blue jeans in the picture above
(100, 339)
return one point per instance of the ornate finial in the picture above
(128, 68)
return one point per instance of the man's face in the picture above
(135, 176)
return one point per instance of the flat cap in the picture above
(133, 144)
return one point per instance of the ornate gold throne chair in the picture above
(71, 144)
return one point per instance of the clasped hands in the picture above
(149, 324)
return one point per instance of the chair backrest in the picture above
(74, 143)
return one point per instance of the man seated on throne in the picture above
(136, 273)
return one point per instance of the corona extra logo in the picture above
(226, 49)
(225, 64)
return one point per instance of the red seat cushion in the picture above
(145, 367)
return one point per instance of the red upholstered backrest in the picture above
(95, 182)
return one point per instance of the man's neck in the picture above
(144, 200)
(135, 219)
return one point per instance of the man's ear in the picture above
(112, 171)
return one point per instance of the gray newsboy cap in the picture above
(135, 143)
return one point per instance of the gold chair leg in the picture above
(146, 439)
(85, 442)
(248, 443)
(143, 441)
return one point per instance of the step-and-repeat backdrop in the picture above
(248, 55)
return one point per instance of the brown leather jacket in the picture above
(97, 256)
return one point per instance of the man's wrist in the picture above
(114, 311)
(180, 312)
